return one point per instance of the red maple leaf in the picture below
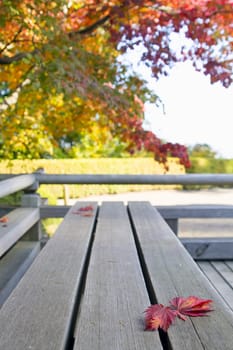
(191, 306)
(4, 219)
(84, 211)
(87, 208)
(160, 316)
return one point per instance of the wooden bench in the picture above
(89, 286)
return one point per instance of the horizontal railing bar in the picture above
(15, 184)
(209, 248)
(198, 179)
(180, 179)
(53, 211)
(196, 211)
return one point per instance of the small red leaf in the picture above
(191, 306)
(4, 219)
(87, 208)
(159, 316)
(84, 211)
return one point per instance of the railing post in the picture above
(31, 199)
(66, 194)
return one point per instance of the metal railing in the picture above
(186, 179)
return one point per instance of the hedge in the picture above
(92, 166)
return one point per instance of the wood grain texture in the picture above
(229, 264)
(219, 281)
(225, 271)
(115, 295)
(172, 273)
(38, 313)
(19, 222)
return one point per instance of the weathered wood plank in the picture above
(209, 248)
(42, 304)
(20, 221)
(115, 296)
(14, 265)
(218, 282)
(172, 272)
(224, 271)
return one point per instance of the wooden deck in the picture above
(220, 275)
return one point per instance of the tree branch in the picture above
(4, 60)
(91, 28)
(13, 40)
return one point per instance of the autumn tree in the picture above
(61, 74)
(202, 150)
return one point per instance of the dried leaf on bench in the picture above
(191, 306)
(84, 211)
(4, 219)
(87, 208)
(159, 316)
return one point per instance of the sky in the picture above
(196, 111)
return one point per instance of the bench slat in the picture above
(172, 272)
(14, 265)
(39, 313)
(230, 264)
(20, 221)
(225, 271)
(115, 295)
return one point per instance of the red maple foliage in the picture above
(160, 316)
(69, 50)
